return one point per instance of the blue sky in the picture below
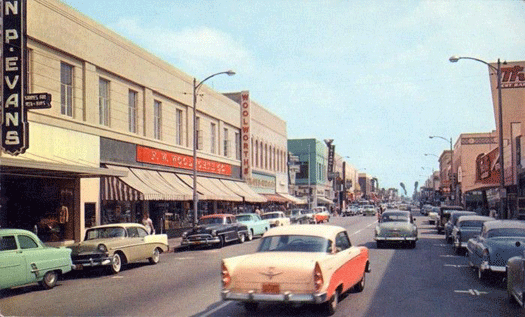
(372, 75)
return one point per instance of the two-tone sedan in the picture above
(215, 230)
(466, 228)
(256, 225)
(452, 222)
(498, 241)
(396, 226)
(294, 265)
(117, 244)
(24, 259)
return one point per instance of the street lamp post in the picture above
(454, 59)
(196, 87)
(451, 177)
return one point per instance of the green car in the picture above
(396, 226)
(24, 259)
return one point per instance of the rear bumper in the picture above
(395, 239)
(485, 266)
(315, 298)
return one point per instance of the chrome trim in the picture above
(251, 296)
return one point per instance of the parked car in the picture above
(452, 221)
(369, 210)
(433, 215)
(396, 226)
(298, 216)
(276, 218)
(255, 225)
(24, 259)
(426, 209)
(466, 228)
(321, 214)
(498, 241)
(515, 277)
(444, 216)
(297, 264)
(115, 245)
(215, 230)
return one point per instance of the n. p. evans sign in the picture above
(15, 100)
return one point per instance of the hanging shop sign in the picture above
(15, 99)
(245, 135)
(165, 158)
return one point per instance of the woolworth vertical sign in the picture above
(15, 99)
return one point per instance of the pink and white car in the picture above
(297, 264)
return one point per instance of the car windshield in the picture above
(210, 221)
(106, 232)
(294, 243)
(394, 218)
(506, 232)
(244, 218)
(270, 216)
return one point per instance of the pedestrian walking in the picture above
(146, 221)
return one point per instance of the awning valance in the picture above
(276, 198)
(205, 193)
(243, 190)
(135, 182)
(159, 184)
(112, 188)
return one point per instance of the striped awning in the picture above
(112, 188)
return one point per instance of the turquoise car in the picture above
(24, 259)
(256, 225)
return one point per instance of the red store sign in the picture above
(165, 158)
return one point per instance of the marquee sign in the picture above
(15, 99)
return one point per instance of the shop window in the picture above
(66, 89)
(103, 101)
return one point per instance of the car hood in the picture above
(91, 245)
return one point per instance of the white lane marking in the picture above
(454, 265)
(358, 231)
(450, 256)
(441, 245)
(473, 292)
(186, 258)
(224, 304)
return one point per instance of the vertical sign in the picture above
(246, 166)
(15, 100)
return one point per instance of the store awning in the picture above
(178, 184)
(112, 188)
(324, 201)
(219, 187)
(205, 193)
(159, 184)
(276, 198)
(243, 190)
(135, 182)
(26, 167)
(293, 199)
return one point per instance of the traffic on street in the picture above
(430, 279)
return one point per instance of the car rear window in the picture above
(294, 243)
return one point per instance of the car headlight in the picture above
(102, 248)
(214, 232)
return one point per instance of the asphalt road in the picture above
(429, 280)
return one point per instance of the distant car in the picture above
(255, 225)
(215, 230)
(114, 245)
(350, 211)
(276, 218)
(498, 241)
(433, 215)
(515, 276)
(321, 214)
(24, 259)
(369, 210)
(444, 216)
(425, 209)
(310, 215)
(298, 216)
(452, 221)
(396, 226)
(466, 228)
(297, 265)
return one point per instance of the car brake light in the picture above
(318, 278)
(226, 279)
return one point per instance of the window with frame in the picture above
(27, 242)
(103, 101)
(66, 89)
(132, 111)
(157, 119)
(213, 137)
(226, 141)
(178, 128)
(238, 146)
(198, 134)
